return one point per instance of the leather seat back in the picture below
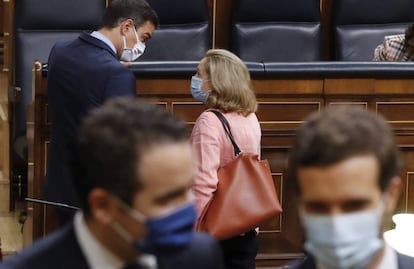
(271, 31)
(359, 26)
(184, 33)
(38, 25)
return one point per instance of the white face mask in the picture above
(345, 241)
(130, 55)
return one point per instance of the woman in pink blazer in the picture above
(223, 83)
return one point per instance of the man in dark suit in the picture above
(345, 166)
(133, 172)
(83, 73)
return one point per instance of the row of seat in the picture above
(263, 31)
(292, 30)
(274, 70)
(358, 26)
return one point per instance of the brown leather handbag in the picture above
(245, 195)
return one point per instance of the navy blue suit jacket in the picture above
(404, 262)
(82, 74)
(61, 250)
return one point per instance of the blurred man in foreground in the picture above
(133, 172)
(346, 167)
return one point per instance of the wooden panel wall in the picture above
(283, 103)
(1, 32)
(5, 80)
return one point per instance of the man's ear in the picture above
(126, 26)
(102, 205)
(392, 193)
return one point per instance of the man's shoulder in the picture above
(47, 252)
(203, 239)
(203, 244)
(405, 262)
(203, 253)
(83, 44)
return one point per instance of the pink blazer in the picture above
(213, 149)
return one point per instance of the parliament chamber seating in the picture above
(289, 86)
(277, 31)
(180, 42)
(359, 26)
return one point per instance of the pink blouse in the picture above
(213, 149)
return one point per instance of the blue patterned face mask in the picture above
(196, 89)
(166, 233)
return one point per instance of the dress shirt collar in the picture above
(104, 39)
(97, 256)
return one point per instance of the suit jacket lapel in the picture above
(73, 249)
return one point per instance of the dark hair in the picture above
(338, 133)
(409, 41)
(110, 142)
(137, 10)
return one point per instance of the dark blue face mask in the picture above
(165, 234)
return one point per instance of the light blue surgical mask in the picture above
(345, 241)
(196, 89)
(166, 233)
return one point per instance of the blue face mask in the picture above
(344, 241)
(196, 89)
(165, 234)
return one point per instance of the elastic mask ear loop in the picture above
(136, 35)
(124, 40)
(122, 232)
(131, 211)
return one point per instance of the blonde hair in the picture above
(230, 81)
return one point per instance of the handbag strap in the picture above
(226, 126)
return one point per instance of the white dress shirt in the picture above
(97, 255)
